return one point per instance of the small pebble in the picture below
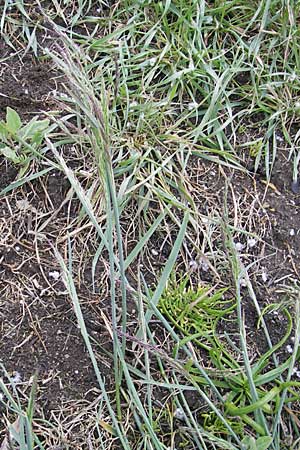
(55, 275)
(133, 104)
(16, 378)
(296, 372)
(192, 105)
(193, 265)
(251, 242)
(203, 265)
(179, 414)
(243, 283)
(152, 61)
(264, 276)
(154, 252)
(289, 348)
(292, 232)
(239, 246)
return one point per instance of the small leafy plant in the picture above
(196, 312)
(18, 142)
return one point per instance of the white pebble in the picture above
(179, 414)
(16, 378)
(133, 104)
(193, 265)
(264, 276)
(296, 372)
(55, 275)
(243, 283)
(152, 61)
(192, 105)
(204, 265)
(239, 246)
(251, 242)
(289, 348)
(154, 252)
(292, 232)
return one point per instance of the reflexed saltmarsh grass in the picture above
(163, 83)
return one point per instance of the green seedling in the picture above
(20, 143)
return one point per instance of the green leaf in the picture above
(13, 121)
(20, 182)
(260, 403)
(262, 443)
(10, 154)
(23, 170)
(3, 131)
(167, 269)
(250, 442)
(34, 129)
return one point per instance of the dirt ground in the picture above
(38, 327)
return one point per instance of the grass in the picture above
(155, 96)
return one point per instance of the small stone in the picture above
(239, 246)
(16, 378)
(133, 104)
(192, 105)
(289, 348)
(193, 265)
(292, 232)
(203, 265)
(243, 283)
(55, 275)
(154, 252)
(264, 277)
(179, 414)
(251, 242)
